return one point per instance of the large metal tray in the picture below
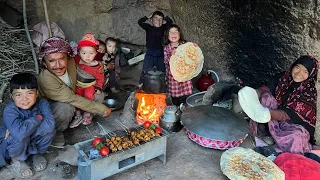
(215, 123)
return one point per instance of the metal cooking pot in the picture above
(214, 127)
(153, 81)
(196, 99)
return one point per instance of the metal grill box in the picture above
(114, 163)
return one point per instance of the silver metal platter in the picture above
(215, 123)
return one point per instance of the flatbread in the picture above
(250, 104)
(245, 164)
(187, 62)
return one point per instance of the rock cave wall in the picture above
(250, 39)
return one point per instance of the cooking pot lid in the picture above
(170, 109)
(214, 123)
(155, 72)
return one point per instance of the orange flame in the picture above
(150, 107)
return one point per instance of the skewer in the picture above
(104, 131)
(90, 132)
(122, 125)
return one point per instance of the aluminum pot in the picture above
(169, 118)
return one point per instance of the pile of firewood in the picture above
(15, 56)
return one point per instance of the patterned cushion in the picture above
(245, 164)
(212, 143)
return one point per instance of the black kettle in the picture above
(153, 81)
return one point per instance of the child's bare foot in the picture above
(20, 169)
(114, 90)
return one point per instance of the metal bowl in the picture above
(113, 104)
(195, 99)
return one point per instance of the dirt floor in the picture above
(185, 159)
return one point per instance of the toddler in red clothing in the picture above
(90, 78)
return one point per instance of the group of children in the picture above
(96, 70)
(28, 125)
(163, 38)
(96, 62)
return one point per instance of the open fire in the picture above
(150, 107)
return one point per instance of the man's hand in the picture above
(150, 16)
(101, 69)
(39, 116)
(98, 91)
(107, 113)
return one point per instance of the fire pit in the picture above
(150, 107)
(142, 106)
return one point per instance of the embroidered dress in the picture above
(298, 101)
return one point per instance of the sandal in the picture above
(87, 118)
(20, 169)
(76, 121)
(38, 162)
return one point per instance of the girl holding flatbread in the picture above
(290, 103)
(178, 90)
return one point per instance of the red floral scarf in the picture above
(304, 97)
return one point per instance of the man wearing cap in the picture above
(57, 83)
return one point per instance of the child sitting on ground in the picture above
(89, 77)
(102, 47)
(101, 51)
(111, 61)
(28, 127)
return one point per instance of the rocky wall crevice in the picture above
(250, 39)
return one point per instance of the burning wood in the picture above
(150, 107)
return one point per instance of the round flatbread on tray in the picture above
(187, 62)
(245, 164)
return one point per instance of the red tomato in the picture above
(146, 124)
(96, 141)
(104, 151)
(158, 130)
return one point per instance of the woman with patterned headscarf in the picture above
(291, 100)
